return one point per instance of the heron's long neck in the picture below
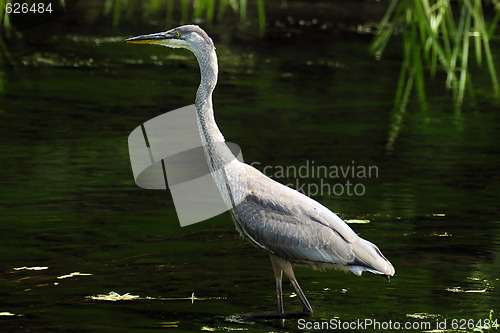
(209, 69)
(217, 153)
(225, 168)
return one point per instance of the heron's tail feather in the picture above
(369, 258)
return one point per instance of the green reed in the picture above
(190, 10)
(488, 324)
(5, 31)
(433, 38)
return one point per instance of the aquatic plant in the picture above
(187, 11)
(5, 30)
(4, 19)
(190, 11)
(433, 37)
(27, 7)
(488, 324)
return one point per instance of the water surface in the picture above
(68, 199)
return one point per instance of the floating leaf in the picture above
(113, 297)
(72, 275)
(358, 221)
(421, 315)
(8, 314)
(477, 291)
(459, 290)
(34, 268)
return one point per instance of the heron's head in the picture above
(190, 37)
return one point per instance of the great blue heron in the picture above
(291, 227)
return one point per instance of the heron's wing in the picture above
(296, 227)
(291, 225)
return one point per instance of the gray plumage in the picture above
(295, 227)
(291, 227)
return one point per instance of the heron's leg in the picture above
(307, 308)
(282, 265)
(278, 275)
(308, 311)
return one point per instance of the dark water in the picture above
(68, 200)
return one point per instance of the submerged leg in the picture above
(287, 268)
(308, 311)
(279, 266)
(278, 275)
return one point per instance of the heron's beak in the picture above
(157, 38)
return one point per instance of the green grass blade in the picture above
(444, 26)
(5, 19)
(199, 7)
(464, 61)
(419, 78)
(261, 9)
(210, 10)
(478, 47)
(384, 32)
(221, 10)
(185, 11)
(116, 12)
(243, 10)
(450, 81)
(415, 54)
(481, 25)
(491, 66)
(476, 34)
(493, 25)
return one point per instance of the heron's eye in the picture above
(177, 34)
